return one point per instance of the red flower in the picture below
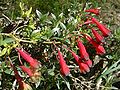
(63, 66)
(17, 76)
(83, 67)
(99, 49)
(88, 22)
(22, 84)
(98, 37)
(95, 11)
(88, 62)
(78, 60)
(27, 70)
(103, 29)
(33, 62)
(83, 51)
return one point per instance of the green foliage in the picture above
(37, 24)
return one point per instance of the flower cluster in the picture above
(21, 83)
(83, 61)
(32, 71)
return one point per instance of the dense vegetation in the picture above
(59, 44)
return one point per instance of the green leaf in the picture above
(67, 41)
(44, 37)
(32, 26)
(48, 21)
(111, 69)
(58, 84)
(61, 15)
(51, 71)
(9, 40)
(48, 33)
(62, 25)
(54, 17)
(39, 14)
(27, 13)
(1, 40)
(9, 71)
(68, 85)
(36, 35)
(9, 50)
(22, 8)
(56, 31)
(3, 52)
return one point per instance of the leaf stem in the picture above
(17, 39)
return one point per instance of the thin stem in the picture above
(26, 41)
(7, 18)
(10, 61)
(51, 42)
(14, 31)
(84, 5)
(19, 59)
(17, 39)
(21, 40)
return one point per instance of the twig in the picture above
(84, 5)
(73, 66)
(19, 59)
(15, 30)
(17, 39)
(10, 61)
(7, 18)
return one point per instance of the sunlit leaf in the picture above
(27, 13)
(68, 85)
(61, 15)
(9, 40)
(51, 71)
(3, 51)
(54, 17)
(1, 40)
(62, 25)
(56, 30)
(38, 13)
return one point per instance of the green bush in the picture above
(36, 26)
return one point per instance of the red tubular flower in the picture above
(22, 84)
(88, 62)
(99, 49)
(83, 51)
(103, 29)
(95, 11)
(98, 37)
(63, 66)
(17, 76)
(64, 69)
(27, 70)
(83, 67)
(88, 22)
(33, 62)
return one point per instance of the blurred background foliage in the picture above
(48, 16)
